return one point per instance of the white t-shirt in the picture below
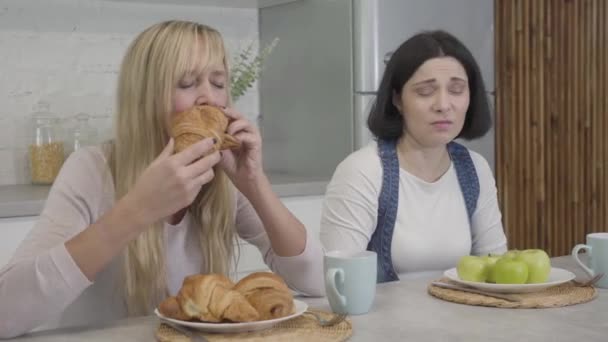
(432, 229)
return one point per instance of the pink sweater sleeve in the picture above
(42, 279)
(303, 273)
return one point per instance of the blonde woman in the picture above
(124, 223)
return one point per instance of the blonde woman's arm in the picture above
(77, 235)
(261, 217)
(244, 168)
(286, 233)
(303, 271)
(169, 184)
(42, 278)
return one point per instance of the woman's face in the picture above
(434, 102)
(207, 87)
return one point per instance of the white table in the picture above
(405, 311)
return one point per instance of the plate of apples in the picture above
(516, 271)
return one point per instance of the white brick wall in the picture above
(67, 52)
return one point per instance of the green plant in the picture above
(246, 68)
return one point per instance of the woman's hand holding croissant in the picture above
(171, 182)
(243, 165)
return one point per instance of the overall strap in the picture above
(467, 176)
(388, 203)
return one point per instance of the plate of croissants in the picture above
(213, 303)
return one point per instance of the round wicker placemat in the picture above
(561, 295)
(302, 328)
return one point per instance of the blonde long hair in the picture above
(153, 65)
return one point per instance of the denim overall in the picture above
(388, 201)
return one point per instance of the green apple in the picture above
(539, 265)
(472, 268)
(491, 262)
(511, 253)
(510, 271)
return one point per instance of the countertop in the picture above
(403, 310)
(28, 200)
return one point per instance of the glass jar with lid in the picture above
(82, 133)
(46, 150)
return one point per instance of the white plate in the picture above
(556, 277)
(300, 308)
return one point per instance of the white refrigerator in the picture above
(318, 84)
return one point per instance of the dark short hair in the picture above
(385, 121)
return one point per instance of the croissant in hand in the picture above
(198, 123)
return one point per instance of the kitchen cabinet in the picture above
(12, 231)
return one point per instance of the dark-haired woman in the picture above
(414, 195)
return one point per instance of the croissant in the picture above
(261, 280)
(268, 294)
(200, 122)
(211, 298)
(271, 303)
(170, 308)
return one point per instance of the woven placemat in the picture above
(557, 296)
(301, 328)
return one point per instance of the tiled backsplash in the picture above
(67, 53)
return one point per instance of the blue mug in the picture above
(597, 248)
(350, 281)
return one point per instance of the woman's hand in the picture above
(244, 165)
(171, 182)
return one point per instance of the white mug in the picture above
(350, 281)
(597, 248)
